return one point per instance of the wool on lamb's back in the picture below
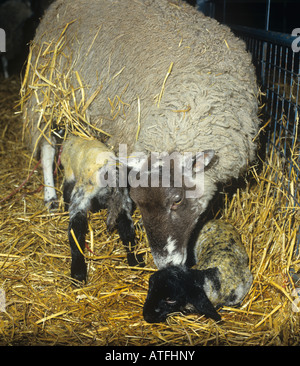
(82, 159)
(219, 245)
(208, 101)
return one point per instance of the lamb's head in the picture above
(177, 289)
(172, 192)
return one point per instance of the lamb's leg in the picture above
(68, 189)
(127, 235)
(80, 203)
(78, 225)
(120, 208)
(47, 159)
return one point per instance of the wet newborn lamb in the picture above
(220, 277)
(85, 162)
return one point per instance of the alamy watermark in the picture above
(2, 300)
(159, 169)
(2, 40)
(296, 41)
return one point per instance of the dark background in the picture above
(284, 17)
(284, 14)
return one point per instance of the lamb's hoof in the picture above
(78, 273)
(79, 280)
(135, 260)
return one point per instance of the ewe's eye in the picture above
(176, 202)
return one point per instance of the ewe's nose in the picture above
(170, 255)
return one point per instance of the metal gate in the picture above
(277, 60)
(278, 72)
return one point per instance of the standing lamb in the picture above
(86, 163)
(221, 276)
(171, 81)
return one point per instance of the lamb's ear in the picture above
(202, 160)
(203, 305)
(134, 162)
(200, 301)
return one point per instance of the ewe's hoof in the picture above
(52, 204)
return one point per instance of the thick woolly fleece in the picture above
(179, 81)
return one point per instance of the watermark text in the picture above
(296, 41)
(2, 40)
(156, 169)
(2, 300)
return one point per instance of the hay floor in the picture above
(42, 308)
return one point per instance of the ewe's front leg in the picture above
(47, 160)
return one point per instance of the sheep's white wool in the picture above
(208, 99)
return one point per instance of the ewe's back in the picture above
(168, 77)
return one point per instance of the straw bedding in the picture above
(43, 308)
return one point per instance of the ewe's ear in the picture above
(202, 160)
(194, 166)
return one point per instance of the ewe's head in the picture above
(171, 192)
